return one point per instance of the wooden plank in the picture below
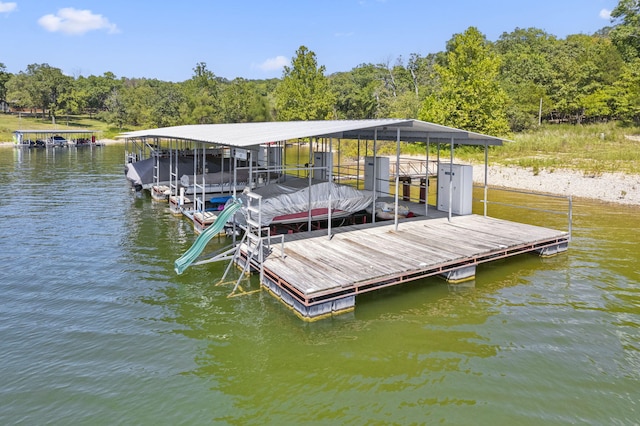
(500, 227)
(314, 263)
(303, 273)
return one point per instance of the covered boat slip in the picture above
(317, 276)
(319, 273)
(188, 172)
(159, 169)
(252, 139)
(39, 138)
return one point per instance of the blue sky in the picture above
(254, 39)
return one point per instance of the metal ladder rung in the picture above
(253, 237)
(256, 246)
(253, 224)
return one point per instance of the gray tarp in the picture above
(295, 196)
(141, 172)
(242, 175)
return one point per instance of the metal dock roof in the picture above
(250, 134)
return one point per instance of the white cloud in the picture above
(605, 14)
(8, 7)
(76, 22)
(273, 64)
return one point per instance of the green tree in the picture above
(469, 95)
(583, 70)
(627, 91)
(41, 86)
(165, 102)
(17, 94)
(201, 97)
(356, 92)
(92, 92)
(304, 92)
(70, 103)
(115, 110)
(398, 96)
(626, 32)
(263, 107)
(525, 74)
(4, 78)
(244, 101)
(152, 103)
(601, 64)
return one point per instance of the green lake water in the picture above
(96, 327)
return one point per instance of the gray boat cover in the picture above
(141, 172)
(218, 178)
(295, 196)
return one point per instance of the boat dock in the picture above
(318, 276)
(40, 138)
(319, 273)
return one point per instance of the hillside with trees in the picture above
(524, 78)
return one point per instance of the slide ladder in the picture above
(253, 242)
(181, 264)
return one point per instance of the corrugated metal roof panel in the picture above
(250, 134)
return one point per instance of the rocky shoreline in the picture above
(608, 187)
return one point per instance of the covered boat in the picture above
(297, 200)
(218, 176)
(141, 173)
(216, 182)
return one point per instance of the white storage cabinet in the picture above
(461, 191)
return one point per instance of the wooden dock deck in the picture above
(319, 276)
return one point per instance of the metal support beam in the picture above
(397, 178)
(451, 181)
(486, 176)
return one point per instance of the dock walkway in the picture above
(319, 276)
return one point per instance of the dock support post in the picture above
(395, 210)
(451, 181)
(313, 312)
(375, 174)
(426, 177)
(486, 176)
(465, 273)
(553, 250)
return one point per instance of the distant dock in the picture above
(40, 138)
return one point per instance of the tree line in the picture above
(525, 77)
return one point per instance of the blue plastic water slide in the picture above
(203, 239)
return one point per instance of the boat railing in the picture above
(143, 148)
(137, 150)
(549, 208)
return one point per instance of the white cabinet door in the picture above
(455, 185)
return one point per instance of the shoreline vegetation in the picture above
(594, 161)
